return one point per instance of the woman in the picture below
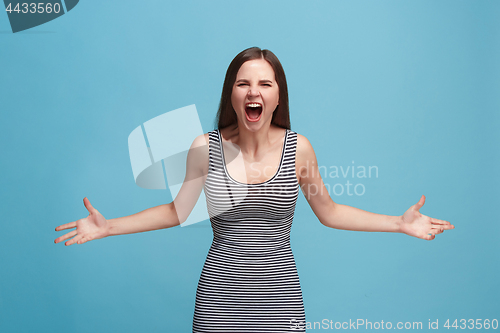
(251, 169)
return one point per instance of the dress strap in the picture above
(288, 168)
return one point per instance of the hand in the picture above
(94, 226)
(415, 224)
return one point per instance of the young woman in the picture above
(251, 168)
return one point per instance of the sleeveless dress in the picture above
(249, 282)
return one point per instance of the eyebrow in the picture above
(260, 81)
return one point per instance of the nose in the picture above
(253, 91)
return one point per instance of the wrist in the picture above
(399, 224)
(110, 228)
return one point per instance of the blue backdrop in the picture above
(409, 87)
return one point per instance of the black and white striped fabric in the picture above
(249, 282)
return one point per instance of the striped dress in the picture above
(249, 282)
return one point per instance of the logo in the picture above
(158, 152)
(26, 15)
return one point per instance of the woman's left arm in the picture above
(338, 216)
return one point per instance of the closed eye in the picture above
(266, 83)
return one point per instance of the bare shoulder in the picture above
(200, 140)
(304, 148)
(305, 157)
(198, 155)
(199, 147)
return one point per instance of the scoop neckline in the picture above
(240, 183)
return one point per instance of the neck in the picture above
(251, 142)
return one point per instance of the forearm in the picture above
(159, 217)
(351, 218)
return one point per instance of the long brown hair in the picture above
(226, 115)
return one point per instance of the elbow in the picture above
(172, 217)
(327, 214)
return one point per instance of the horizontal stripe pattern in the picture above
(249, 282)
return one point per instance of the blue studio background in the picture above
(410, 87)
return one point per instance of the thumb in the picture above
(87, 204)
(420, 203)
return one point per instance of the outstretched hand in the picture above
(94, 226)
(415, 224)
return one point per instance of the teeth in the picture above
(253, 105)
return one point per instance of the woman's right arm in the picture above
(154, 218)
(95, 226)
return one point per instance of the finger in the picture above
(66, 236)
(429, 237)
(443, 226)
(442, 223)
(66, 226)
(87, 204)
(73, 240)
(420, 203)
(435, 231)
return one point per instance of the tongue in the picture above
(253, 113)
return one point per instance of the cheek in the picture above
(273, 97)
(234, 100)
(237, 96)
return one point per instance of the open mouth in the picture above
(253, 111)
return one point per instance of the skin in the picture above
(254, 149)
